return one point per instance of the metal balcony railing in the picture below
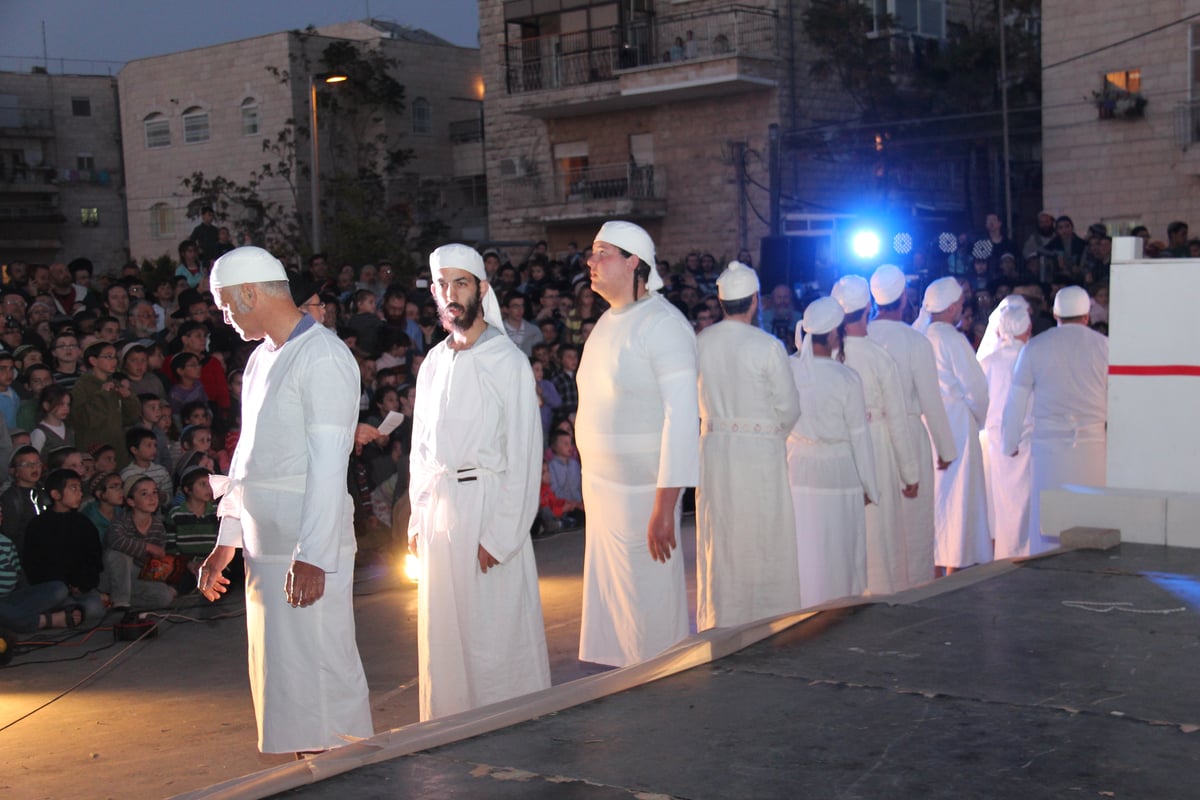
(466, 130)
(607, 182)
(25, 118)
(573, 59)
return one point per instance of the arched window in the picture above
(162, 221)
(249, 117)
(158, 130)
(195, 125)
(422, 116)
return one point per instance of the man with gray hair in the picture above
(745, 526)
(285, 504)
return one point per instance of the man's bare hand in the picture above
(910, 491)
(209, 580)
(305, 584)
(943, 464)
(1014, 453)
(412, 545)
(660, 535)
(486, 560)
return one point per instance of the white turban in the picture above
(737, 282)
(939, 295)
(853, 292)
(632, 239)
(822, 316)
(245, 265)
(993, 337)
(459, 256)
(887, 284)
(1014, 321)
(1071, 301)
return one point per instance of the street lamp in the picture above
(314, 179)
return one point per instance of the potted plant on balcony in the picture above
(1116, 103)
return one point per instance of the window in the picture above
(249, 117)
(422, 116)
(571, 159)
(1129, 80)
(162, 221)
(85, 161)
(195, 125)
(90, 217)
(921, 17)
(158, 131)
(81, 106)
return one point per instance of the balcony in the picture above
(26, 122)
(668, 59)
(592, 193)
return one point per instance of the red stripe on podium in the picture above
(1162, 369)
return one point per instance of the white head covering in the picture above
(245, 265)
(459, 256)
(1014, 321)
(822, 316)
(632, 239)
(993, 337)
(737, 282)
(888, 283)
(853, 292)
(939, 295)
(1071, 301)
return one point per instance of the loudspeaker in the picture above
(788, 260)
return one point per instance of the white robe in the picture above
(895, 462)
(745, 528)
(287, 500)
(960, 491)
(1008, 477)
(1065, 369)
(637, 429)
(476, 473)
(914, 357)
(830, 467)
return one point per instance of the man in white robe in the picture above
(959, 491)
(637, 430)
(929, 429)
(745, 527)
(285, 504)
(896, 471)
(1065, 369)
(476, 473)
(1008, 478)
(831, 466)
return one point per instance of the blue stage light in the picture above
(865, 244)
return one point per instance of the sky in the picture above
(123, 30)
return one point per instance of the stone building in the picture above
(1121, 125)
(212, 109)
(61, 174)
(667, 112)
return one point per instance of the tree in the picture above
(367, 203)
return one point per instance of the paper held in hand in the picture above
(390, 423)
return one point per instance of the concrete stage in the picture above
(1072, 675)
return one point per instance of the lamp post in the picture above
(315, 178)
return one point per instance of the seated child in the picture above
(143, 452)
(554, 513)
(135, 541)
(192, 525)
(566, 477)
(107, 504)
(25, 608)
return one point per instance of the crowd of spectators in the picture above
(120, 393)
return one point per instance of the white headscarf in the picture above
(939, 295)
(737, 282)
(993, 336)
(459, 256)
(822, 316)
(852, 292)
(633, 239)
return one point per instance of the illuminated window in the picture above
(90, 216)
(1129, 80)
(162, 221)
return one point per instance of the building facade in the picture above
(214, 110)
(61, 172)
(1121, 132)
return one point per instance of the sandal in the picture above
(69, 617)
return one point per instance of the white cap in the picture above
(460, 256)
(737, 282)
(1071, 301)
(822, 315)
(632, 239)
(852, 292)
(245, 265)
(941, 294)
(887, 284)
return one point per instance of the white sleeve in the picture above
(1016, 406)
(924, 368)
(860, 439)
